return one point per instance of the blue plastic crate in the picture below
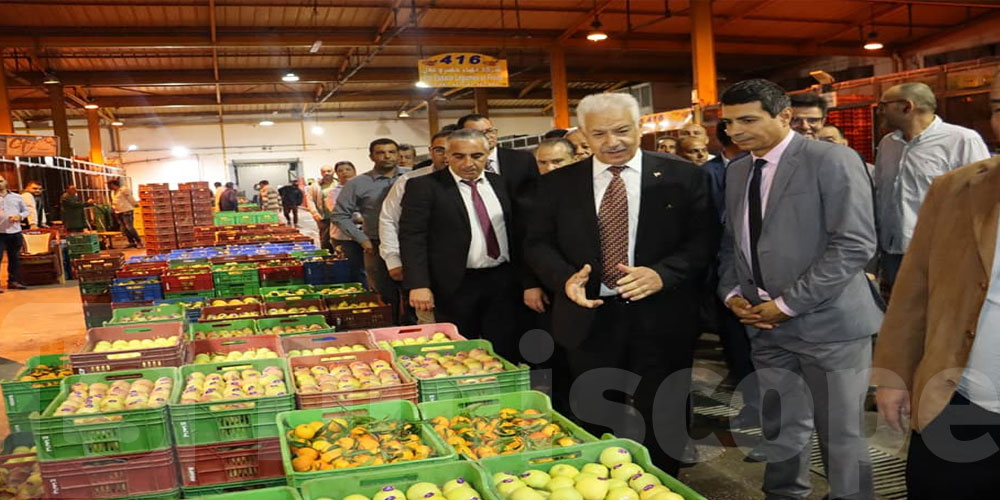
(136, 289)
(192, 313)
(324, 271)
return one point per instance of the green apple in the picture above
(595, 469)
(525, 493)
(565, 470)
(616, 483)
(462, 493)
(579, 477)
(500, 476)
(592, 488)
(652, 490)
(566, 494)
(625, 471)
(389, 493)
(666, 495)
(560, 482)
(535, 478)
(615, 455)
(455, 483)
(625, 493)
(507, 486)
(640, 481)
(419, 491)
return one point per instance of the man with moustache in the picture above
(581, 150)
(799, 230)
(625, 273)
(364, 194)
(667, 144)
(392, 209)
(694, 149)
(457, 245)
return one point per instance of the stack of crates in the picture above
(180, 202)
(234, 279)
(81, 244)
(202, 202)
(106, 449)
(232, 446)
(157, 218)
(96, 275)
(33, 388)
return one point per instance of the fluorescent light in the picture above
(50, 79)
(265, 123)
(290, 77)
(117, 123)
(180, 151)
(91, 105)
(403, 114)
(596, 34)
(317, 130)
(315, 46)
(872, 43)
(420, 84)
(132, 147)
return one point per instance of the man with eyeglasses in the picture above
(921, 148)
(808, 114)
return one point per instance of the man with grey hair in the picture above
(921, 148)
(457, 246)
(626, 273)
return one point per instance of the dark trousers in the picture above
(379, 279)
(736, 350)
(11, 244)
(633, 350)
(484, 306)
(890, 263)
(956, 455)
(355, 256)
(292, 212)
(126, 222)
(323, 227)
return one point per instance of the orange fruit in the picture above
(302, 464)
(320, 446)
(309, 453)
(304, 431)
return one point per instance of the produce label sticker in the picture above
(463, 69)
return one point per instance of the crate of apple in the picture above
(432, 333)
(230, 312)
(617, 469)
(120, 395)
(356, 378)
(131, 347)
(222, 329)
(237, 349)
(437, 365)
(327, 343)
(461, 369)
(448, 481)
(230, 385)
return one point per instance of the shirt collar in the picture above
(634, 163)
(458, 180)
(375, 175)
(898, 134)
(494, 156)
(774, 155)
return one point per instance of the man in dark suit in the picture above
(456, 245)
(624, 239)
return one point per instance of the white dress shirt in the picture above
(905, 170)
(29, 201)
(11, 204)
(122, 201)
(767, 173)
(981, 381)
(388, 218)
(632, 176)
(477, 257)
(494, 160)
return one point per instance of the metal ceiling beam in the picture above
(988, 23)
(985, 4)
(748, 9)
(857, 18)
(583, 20)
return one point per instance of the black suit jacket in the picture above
(520, 175)
(677, 236)
(435, 231)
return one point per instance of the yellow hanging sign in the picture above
(463, 69)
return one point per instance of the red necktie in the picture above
(492, 244)
(613, 224)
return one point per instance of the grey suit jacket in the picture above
(817, 235)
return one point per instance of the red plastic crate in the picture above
(406, 390)
(227, 345)
(186, 281)
(95, 298)
(193, 186)
(87, 361)
(113, 476)
(140, 269)
(285, 270)
(122, 305)
(236, 461)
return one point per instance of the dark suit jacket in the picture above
(520, 174)
(435, 231)
(677, 236)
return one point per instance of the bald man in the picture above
(667, 144)
(693, 130)
(921, 148)
(694, 149)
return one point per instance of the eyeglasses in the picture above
(811, 121)
(883, 104)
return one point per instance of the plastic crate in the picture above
(292, 292)
(201, 330)
(294, 307)
(387, 338)
(95, 315)
(135, 289)
(323, 270)
(406, 390)
(578, 456)
(88, 361)
(132, 476)
(138, 269)
(243, 299)
(327, 340)
(232, 290)
(221, 463)
(266, 217)
(390, 410)
(214, 313)
(513, 378)
(490, 406)
(107, 433)
(81, 238)
(125, 305)
(264, 489)
(402, 478)
(23, 397)
(238, 344)
(351, 318)
(192, 304)
(225, 218)
(188, 279)
(19, 422)
(264, 324)
(319, 252)
(164, 313)
(339, 290)
(281, 270)
(230, 420)
(243, 274)
(98, 287)
(184, 263)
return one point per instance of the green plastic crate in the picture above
(266, 217)
(394, 410)
(288, 293)
(29, 396)
(306, 319)
(579, 455)
(514, 378)
(127, 431)
(95, 287)
(228, 324)
(261, 489)
(19, 422)
(319, 252)
(81, 238)
(490, 405)
(245, 273)
(401, 477)
(244, 218)
(82, 248)
(224, 218)
(229, 290)
(230, 420)
(188, 294)
(179, 263)
(124, 315)
(169, 495)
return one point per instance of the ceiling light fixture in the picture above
(420, 84)
(317, 130)
(872, 43)
(596, 33)
(180, 151)
(315, 46)
(50, 78)
(290, 77)
(403, 114)
(132, 147)
(117, 123)
(91, 105)
(265, 123)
